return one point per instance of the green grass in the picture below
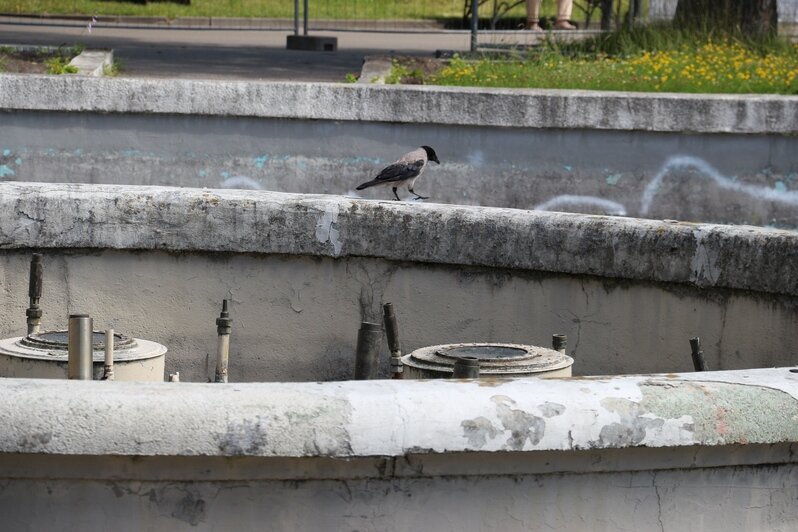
(328, 9)
(710, 68)
(646, 59)
(58, 65)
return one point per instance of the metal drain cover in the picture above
(59, 340)
(53, 346)
(485, 352)
(506, 360)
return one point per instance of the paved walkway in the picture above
(228, 54)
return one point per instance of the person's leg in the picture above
(533, 15)
(564, 8)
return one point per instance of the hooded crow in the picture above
(404, 172)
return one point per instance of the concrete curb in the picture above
(184, 219)
(557, 109)
(93, 62)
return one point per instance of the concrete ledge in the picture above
(658, 452)
(390, 418)
(183, 219)
(408, 104)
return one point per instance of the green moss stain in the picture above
(725, 413)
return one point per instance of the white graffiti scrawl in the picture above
(609, 206)
(708, 171)
(705, 170)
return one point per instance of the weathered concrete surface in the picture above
(118, 217)
(296, 318)
(415, 104)
(659, 452)
(303, 272)
(711, 500)
(389, 418)
(632, 161)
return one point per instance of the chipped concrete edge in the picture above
(93, 62)
(527, 108)
(76, 216)
(393, 418)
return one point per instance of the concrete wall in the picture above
(663, 452)
(665, 9)
(303, 271)
(720, 159)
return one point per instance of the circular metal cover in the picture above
(485, 352)
(58, 340)
(494, 358)
(52, 345)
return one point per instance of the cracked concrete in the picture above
(340, 455)
(138, 258)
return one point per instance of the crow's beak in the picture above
(436, 160)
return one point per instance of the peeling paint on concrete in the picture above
(326, 230)
(522, 425)
(478, 430)
(704, 264)
(397, 418)
(552, 409)
(633, 426)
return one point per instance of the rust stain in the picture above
(721, 427)
(492, 382)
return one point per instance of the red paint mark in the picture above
(720, 422)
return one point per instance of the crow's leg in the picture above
(395, 194)
(416, 195)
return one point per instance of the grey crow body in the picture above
(404, 172)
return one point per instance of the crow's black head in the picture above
(431, 155)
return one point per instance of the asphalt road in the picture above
(227, 54)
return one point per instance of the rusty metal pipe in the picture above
(368, 347)
(34, 313)
(559, 342)
(699, 363)
(224, 325)
(392, 334)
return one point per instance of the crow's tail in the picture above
(367, 184)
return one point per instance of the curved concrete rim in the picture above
(393, 418)
(34, 215)
(529, 108)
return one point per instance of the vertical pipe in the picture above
(559, 342)
(34, 312)
(108, 370)
(392, 333)
(79, 347)
(698, 356)
(466, 368)
(305, 19)
(474, 23)
(368, 347)
(296, 17)
(223, 327)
